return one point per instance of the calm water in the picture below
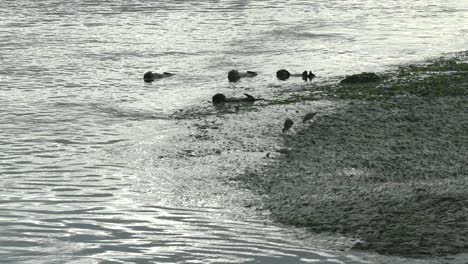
(93, 167)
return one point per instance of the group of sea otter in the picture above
(234, 76)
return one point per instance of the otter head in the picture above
(148, 77)
(283, 74)
(233, 76)
(218, 98)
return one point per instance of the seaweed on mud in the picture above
(295, 98)
(360, 78)
(390, 168)
(376, 174)
(446, 76)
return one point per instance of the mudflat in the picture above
(388, 167)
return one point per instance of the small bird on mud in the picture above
(308, 117)
(288, 123)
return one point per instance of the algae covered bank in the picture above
(387, 165)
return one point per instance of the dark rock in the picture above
(365, 77)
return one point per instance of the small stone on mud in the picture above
(358, 245)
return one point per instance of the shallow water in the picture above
(97, 166)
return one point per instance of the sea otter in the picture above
(221, 98)
(151, 76)
(235, 75)
(284, 75)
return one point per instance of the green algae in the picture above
(446, 76)
(389, 168)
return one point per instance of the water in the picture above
(97, 167)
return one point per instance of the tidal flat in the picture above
(387, 166)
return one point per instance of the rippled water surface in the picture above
(98, 167)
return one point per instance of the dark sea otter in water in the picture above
(151, 76)
(235, 75)
(284, 75)
(221, 99)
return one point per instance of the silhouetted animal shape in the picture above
(221, 98)
(150, 76)
(304, 76)
(288, 123)
(235, 75)
(311, 76)
(283, 74)
(308, 117)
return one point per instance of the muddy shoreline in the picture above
(387, 167)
